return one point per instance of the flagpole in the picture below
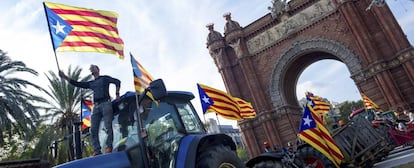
(141, 129)
(57, 62)
(139, 114)
(218, 123)
(77, 133)
(204, 117)
(81, 112)
(51, 38)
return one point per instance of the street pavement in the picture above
(399, 156)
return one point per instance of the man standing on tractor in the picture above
(102, 108)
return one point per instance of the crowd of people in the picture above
(404, 118)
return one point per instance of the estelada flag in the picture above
(246, 108)
(223, 104)
(318, 105)
(83, 30)
(369, 104)
(313, 132)
(86, 107)
(142, 78)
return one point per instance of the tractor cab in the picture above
(165, 119)
(161, 129)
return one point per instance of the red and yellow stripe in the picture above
(369, 104)
(93, 30)
(246, 108)
(320, 138)
(223, 105)
(143, 81)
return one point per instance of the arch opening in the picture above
(294, 60)
(327, 78)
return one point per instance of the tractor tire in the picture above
(268, 164)
(313, 158)
(218, 157)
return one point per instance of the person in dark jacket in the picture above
(102, 108)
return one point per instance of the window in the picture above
(190, 121)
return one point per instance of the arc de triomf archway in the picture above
(262, 61)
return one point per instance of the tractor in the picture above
(161, 128)
(364, 140)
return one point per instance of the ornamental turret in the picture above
(215, 45)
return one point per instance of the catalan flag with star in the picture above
(86, 107)
(76, 29)
(313, 132)
(223, 104)
(142, 78)
(320, 106)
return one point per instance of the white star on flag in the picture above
(59, 28)
(206, 100)
(310, 102)
(307, 121)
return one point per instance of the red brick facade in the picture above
(262, 61)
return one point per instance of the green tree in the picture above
(347, 107)
(19, 110)
(242, 153)
(66, 98)
(65, 107)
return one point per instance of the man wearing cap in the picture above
(102, 108)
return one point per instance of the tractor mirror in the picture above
(157, 88)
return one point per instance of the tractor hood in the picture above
(111, 160)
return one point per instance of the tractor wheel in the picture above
(218, 157)
(268, 164)
(314, 158)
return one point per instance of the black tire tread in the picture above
(213, 156)
(268, 164)
(308, 151)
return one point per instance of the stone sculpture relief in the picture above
(290, 25)
(236, 47)
(218, 57)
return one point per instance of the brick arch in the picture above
(370, 43)
(294, 56)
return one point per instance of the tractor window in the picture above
(190, 121)
(125, 130)
(163, 140)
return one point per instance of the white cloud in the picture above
(167, 37)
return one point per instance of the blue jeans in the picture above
(102, 111)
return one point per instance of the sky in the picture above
(169, 39)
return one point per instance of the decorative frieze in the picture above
(290, 25)
(382, 66)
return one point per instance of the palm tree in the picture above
(66, 106)
(66, 98)
(18, 107)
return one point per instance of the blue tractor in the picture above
(162, 131)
